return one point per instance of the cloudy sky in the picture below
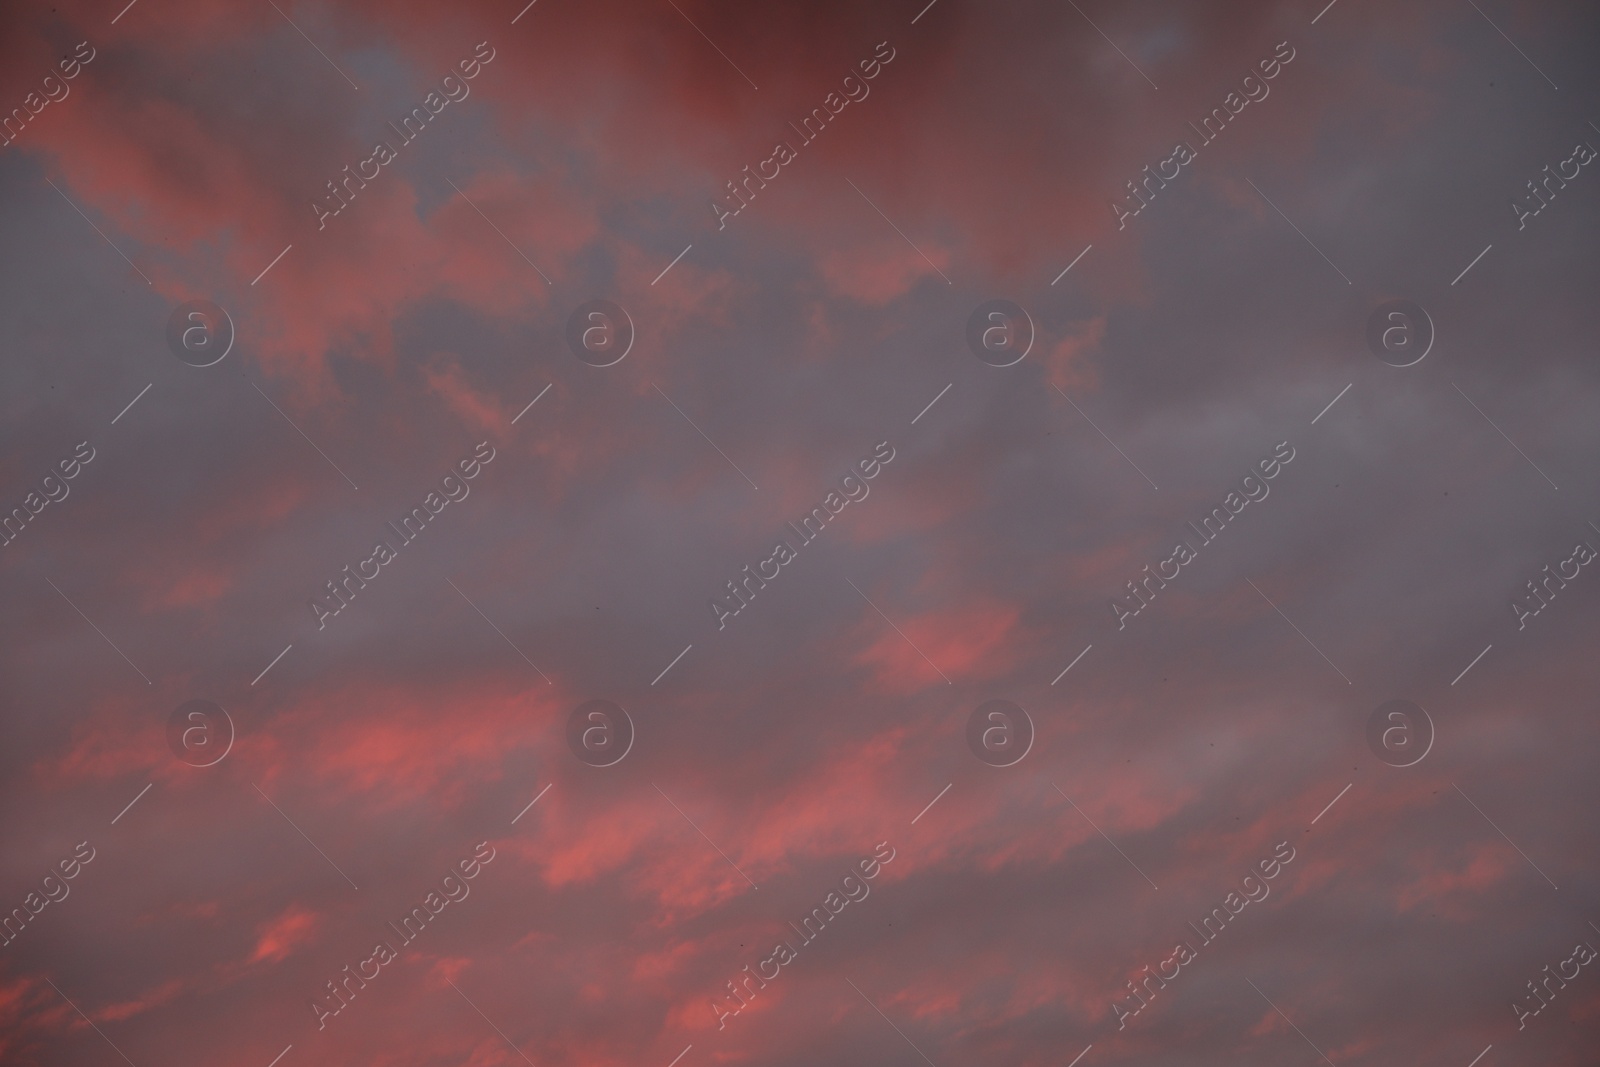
(1342, 324)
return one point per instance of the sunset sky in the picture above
(395, 380)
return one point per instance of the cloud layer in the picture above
(995, 154)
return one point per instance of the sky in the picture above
(776, 534)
